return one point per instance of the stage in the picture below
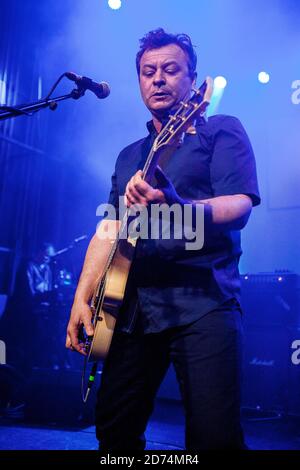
(165, 432)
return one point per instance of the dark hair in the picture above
(159, 38)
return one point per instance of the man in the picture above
(39, 272)
(180, 306)
(26, 309)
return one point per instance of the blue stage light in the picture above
(114, 4)
(263, 77)
(219, 86)
(220, 82)
(2, 91)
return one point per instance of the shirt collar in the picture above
(151, 127)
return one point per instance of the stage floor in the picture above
(165, 432)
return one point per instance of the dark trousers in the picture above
(207, 359)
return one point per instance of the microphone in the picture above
(101, 89)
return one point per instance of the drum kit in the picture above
(64, 279)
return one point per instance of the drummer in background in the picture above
(35, 318)
(50, 285)
(23, 326)
(39, 272)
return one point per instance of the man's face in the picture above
(164, 78)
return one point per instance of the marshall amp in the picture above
(270, 303)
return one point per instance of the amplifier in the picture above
(294, 372)
(270, 303)
(271, 299)
(266, 368)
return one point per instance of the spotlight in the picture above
(114, 4)
(219, 86)
(220, 82)
(263, 77)
(2, 91)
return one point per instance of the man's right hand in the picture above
(95, 260)
(81, 316)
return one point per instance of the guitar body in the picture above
(108, 298)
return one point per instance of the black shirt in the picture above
(175, 286)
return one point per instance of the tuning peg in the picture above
(196, 91)
(185, 105)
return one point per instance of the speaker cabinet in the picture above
(294, 373)
(270, 302)
(270, 299)
(265, 371)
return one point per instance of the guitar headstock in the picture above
(185, 115)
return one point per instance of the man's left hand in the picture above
(138, 191)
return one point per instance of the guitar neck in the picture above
(156, 157)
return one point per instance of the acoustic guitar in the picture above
(109, 293)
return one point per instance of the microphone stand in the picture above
(7, 112)
(53, 258)
(70, 247)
